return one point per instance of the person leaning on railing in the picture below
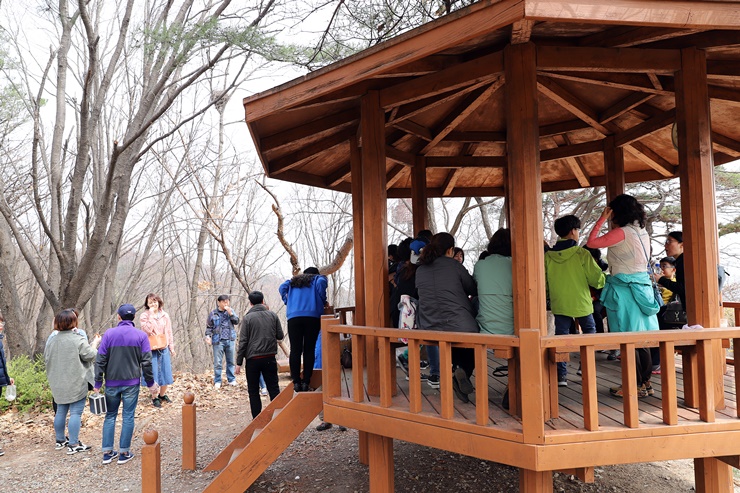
(444, 287)
(628, 295)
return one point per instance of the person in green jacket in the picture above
(569, 271)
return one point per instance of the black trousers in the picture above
(644, 364)
(268, 368)
(464, 357)
(303, 333)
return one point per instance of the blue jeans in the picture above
(562, 327)
(221, 349)
(113, 397)
(433, 357)
(75, 412)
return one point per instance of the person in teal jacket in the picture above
(569, 271)
(493, 274)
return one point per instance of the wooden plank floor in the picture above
(570, 399)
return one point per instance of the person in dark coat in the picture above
(5, 379)
(444, 287)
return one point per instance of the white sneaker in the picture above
(217, 386)
(233, 383)
(263, 391)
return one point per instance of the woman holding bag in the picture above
(158, 326)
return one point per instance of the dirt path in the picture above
(317, 462)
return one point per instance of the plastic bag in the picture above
(10, 393)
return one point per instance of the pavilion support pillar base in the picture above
(380, 453)
(535, 481)
(712, 476)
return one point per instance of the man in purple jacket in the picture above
(123, 354)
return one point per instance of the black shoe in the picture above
(456, 388)
(323, 426)
(297, 387)
(341, 428)
(306, 388)
(164, 398)
(505, 400)
(403, 362)
(463, 382)
(156, 402)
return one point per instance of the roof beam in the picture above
(414, 128)
(652, 159)
(589, 59)
(726, 144)
(571, 151)
(466, 161)
(702, 41)
(477, 70)
(280, 139)
(461, 112)
(576, 164)
(412, 109)
(290, 161)
(723, 69)
(570, 102)
(645, 128)
(475, 137)
(631, 82)
(399, 156)
(623, 106)
(450, 181)
(626, 36)
(679, 14)
(340, 175)
(395, 174)
(428, 65)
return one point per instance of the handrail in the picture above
(429, 335)
(612, 340)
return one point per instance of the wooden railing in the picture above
(701, 382)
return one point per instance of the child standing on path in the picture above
(570, 270)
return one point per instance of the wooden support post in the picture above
(356, 166)
(613, 168)
(374, 222)
(698, 207)
(381, 463)
(712, 476)
(151, 465)
(419, 194)
(481, 385)
(533, 398)
(535, 481)
(525, 200)
(331, 375)
(364, 448)
(188, 432)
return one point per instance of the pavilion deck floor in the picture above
(569, 425)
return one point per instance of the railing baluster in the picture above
(414, 376)
(706, 385)
(445, 379)
(481, 384)
(358, 368)
(590, 399)
(668, 382)
(386, 389)
(690, 376)
(736, 343)
(629, 386)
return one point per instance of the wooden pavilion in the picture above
(513, 98)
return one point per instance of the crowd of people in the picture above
(582, 289)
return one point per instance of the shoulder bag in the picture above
(158, 341)
(656, 289)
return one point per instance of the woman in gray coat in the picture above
(444, 287)
(68, 357)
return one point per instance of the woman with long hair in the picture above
(157, 321)
(444, 287)
(628, 295)
(67, 357)
(493, 274)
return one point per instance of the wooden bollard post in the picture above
(188, 431)
(151, 465)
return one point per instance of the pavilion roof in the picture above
(605, 69)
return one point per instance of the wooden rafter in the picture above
(575, 164)
(645, 128)
(466, 162)
(623, 106)
(570, 102)
(590, 59)
(703, 40)
(395, 174)
(340, 175)
(399, 156)
(410, 110)
(450, 181)
(280, 139)
(461, 112)
(571, 151)
(723, 69)
(414, 128)
(726, 144)
(481, 69)
(631, 82)
(626, 36)
(521, 31)
(475, 137)
(425, 66)
(652, 159)
(290, 161)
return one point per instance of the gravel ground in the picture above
(316, 462)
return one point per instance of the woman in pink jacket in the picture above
(156, 321)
